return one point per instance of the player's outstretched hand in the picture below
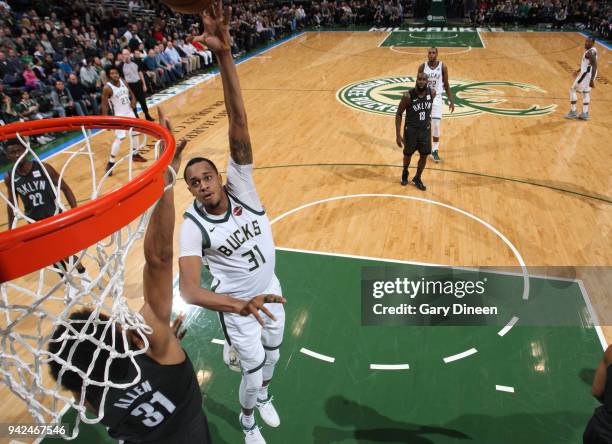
(257, 303)
(216, 28)
(398, 140)
(180, 145)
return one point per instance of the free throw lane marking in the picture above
(461, 355)
(317, 355)
(504, 388)
(508, 326)
(218, 341)
(389, 366)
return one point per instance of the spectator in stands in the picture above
(63, 104)
(8, 71)
(29, 109)
(190, 54)
(30, 79)
(8, 112)
(203, 51)
(90, 79)
(150, 77)
(174, 57)
(175, 71)
(162, 74)
(81, 96)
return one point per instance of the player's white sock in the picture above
(115, 149)
(586, 99)
(436, 145)
(263, 393)
(573, 99)
(248, 421)
(135, 143)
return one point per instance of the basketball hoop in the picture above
(64, 234)
(40, 285)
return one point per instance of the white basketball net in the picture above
(32, 307)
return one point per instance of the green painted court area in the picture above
(550, 366)
(426, 39)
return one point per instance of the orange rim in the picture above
(34, 246)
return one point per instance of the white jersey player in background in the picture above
(585, 80)
(118, 98)
(437, 80)
(226, 230)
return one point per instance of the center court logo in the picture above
(382, 95)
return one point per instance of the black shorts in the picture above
(195, 432)
(417, 139)
(598, 429)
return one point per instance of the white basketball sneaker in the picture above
(268, 412)
(252, 435)
(230, 357)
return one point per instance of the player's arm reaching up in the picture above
(157, 273)
(216, 37)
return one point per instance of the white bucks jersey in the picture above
(585, 63)
(238, 249)
(120, 100)
(434, 78)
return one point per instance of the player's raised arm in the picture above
(404, 103)
(216, 37)
(157, 274)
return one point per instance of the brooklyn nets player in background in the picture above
(437, 80)
(166, 405)
(585, 80)
(33, 183)
(418, 104)
(227, 230)
(119, 99)
(599, 428)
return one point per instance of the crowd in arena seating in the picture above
(54, 54)
(587, 14)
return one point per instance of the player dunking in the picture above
(418, 104)
(117, 97)
(227, 230)
(585, 80)
(33, 183)
(437, 80)
(166, 405)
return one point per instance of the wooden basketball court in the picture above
(328, 170)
